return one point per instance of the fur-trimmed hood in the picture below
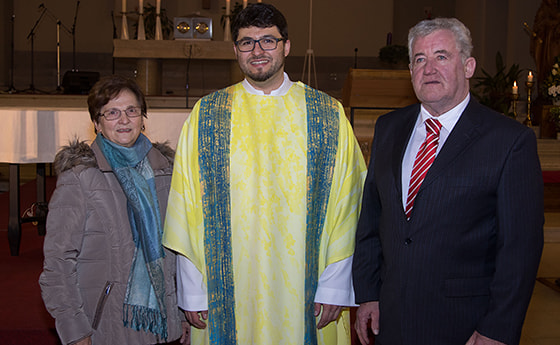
(79, 153)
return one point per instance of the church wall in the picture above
(339, 27)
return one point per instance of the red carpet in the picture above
(23, 317)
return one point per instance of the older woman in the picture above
(106, 277)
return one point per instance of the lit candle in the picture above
(141, 6)
(259, 1)
(530, 77)
(244, 3)
(227, 8)
(124, 6)
(514, 89)
(158, 6)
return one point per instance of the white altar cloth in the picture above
(35, 135)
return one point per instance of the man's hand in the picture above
(479, 339)
(366, 312)
(194, 317)
(185, 337)
(330, 313)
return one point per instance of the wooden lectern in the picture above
(370, 93)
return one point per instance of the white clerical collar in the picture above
(281, 91)
(449, 118)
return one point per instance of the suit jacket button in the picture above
(408, 241)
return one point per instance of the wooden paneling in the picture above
(370, 93)
(372, 88)
(549, 154)
(173, 49)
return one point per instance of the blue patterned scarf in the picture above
(144, 307)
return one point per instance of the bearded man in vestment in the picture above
(264, 202)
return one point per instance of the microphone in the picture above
(41, 6)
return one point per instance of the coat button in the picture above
(408, 241)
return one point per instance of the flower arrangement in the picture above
(551, 84)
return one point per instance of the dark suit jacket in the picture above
(467, 258)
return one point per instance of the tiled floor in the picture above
(542, 323)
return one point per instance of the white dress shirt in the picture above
(447, 120)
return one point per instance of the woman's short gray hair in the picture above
(460, 31)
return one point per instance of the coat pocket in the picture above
(101, 304)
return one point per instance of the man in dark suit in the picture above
(447, 252)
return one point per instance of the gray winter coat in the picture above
(89, 248)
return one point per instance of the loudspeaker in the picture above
(79, 83)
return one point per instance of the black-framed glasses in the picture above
(266, 43)
(114, 113)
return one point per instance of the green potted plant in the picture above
(495, 91)
(394, 56)
(150, 16)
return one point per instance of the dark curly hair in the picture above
(260, 15)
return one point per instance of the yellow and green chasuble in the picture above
(265, 194)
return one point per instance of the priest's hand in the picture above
(197, 318)
(330, 313)
(366, 312)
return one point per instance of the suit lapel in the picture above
(462, 136)
(402, 136)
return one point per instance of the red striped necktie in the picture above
(424, 159)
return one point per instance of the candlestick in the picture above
(124, 23)
(227, 26)
(141, 28)
(529, 85)
(158, 33)
(244, 3)
(515, 98)
(530, 77)
(515, 88)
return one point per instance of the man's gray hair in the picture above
(460, 31)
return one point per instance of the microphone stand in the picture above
(114, 36)
(187, 87)
(74, 69)
(12, 89)
(32, 36)
(58, 25)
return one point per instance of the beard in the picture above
(262, 75)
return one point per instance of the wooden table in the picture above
(149, 53)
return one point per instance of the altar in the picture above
(35, 134)
(148, 54)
